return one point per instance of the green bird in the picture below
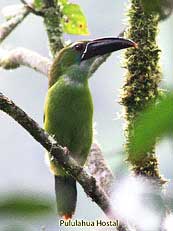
(69, 110)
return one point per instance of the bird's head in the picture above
(81, 55)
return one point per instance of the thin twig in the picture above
(7, 27)
(22, 56)
(31, 8)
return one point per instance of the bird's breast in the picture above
(68, 115)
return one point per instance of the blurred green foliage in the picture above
(152, 124)
(162, 7)
(38, 4)
(25, 205)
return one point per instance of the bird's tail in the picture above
(66, 195)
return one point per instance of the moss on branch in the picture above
(142, 80)
(52, 21)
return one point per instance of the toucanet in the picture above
(69, 109)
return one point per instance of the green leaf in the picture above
(38, 4)
(162, 7)
(25, 205)
(155, 122)
(74, 20)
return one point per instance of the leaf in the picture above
(162, 7)
(38, 4)
(25, 205)
(74, 20)
(155, 122)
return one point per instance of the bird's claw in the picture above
(66, 151)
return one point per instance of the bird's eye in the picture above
(79, 47)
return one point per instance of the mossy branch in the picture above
(24, 57)
(142, 81)
(52, 21)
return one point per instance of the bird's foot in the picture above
(67, 217)
(66, 151)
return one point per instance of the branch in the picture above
(49, 3)
(98, 168)
(88, 182)
(22, 56)
(141, 85)
(53, 26)
(31, 8)
(7, 27)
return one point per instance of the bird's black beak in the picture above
(106, 45)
